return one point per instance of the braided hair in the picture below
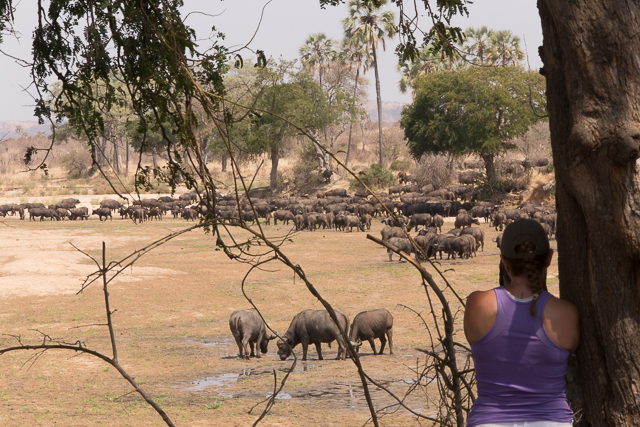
(532, 269)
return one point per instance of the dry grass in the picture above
(172, 325)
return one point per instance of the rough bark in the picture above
(379, 100)
(489, 166)
(592, 68)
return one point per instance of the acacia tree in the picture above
(478, 110)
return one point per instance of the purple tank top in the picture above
(520, 371)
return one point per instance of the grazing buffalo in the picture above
(370, 325)
(313, 327)
(249, 331)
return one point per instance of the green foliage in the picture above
(498, 187)
(375, 177)
(400, 165)
(305, 171)
(474, 111)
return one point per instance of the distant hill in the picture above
(390, 111)
(8, 129)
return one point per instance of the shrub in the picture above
(400, 165)
(435, 170)
(305, 171)
(77, 163)
(375, 177)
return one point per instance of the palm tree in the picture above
(316, 53)
(477, 44)
(366, 25)
(504, 49)
(354, 53)
(425, 63)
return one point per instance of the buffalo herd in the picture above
(420, 209)
(312, 327)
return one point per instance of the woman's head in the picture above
(525, 252)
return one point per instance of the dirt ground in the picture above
(171, 320)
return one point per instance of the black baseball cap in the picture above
(524, 230)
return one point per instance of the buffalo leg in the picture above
(319, 350)
(253, 352)
(372, 343)
(247, 350)
(383, 343)
(240, 345)
(390, 338)
(305, 347)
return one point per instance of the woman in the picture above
(521, 337)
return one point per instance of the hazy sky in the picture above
(285, 26)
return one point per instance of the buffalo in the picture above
(313, 327)
(249, 331)
(370, 325)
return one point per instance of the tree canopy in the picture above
(478, 110)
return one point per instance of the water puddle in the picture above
(216, 381)
(281, 396)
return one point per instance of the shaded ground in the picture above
(172, 326)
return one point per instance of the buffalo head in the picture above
(285, 348)
(265, 343)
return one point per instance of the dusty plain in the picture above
(171, 319)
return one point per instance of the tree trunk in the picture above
(275, 157)
(126, 168)
(379, 99)
(490, 167)
(223, 162)
(593, 86)
(355, 94)
(319, 153)
(363, 138)
(116, 157)
(327, 157)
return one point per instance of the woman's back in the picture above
(520, 370)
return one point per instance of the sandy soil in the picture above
(172, 326)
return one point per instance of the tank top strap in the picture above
(541, 302)
(503, 301)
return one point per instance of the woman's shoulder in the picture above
(480, 314)
(479, 299)
(561, 309)
(562, 322)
